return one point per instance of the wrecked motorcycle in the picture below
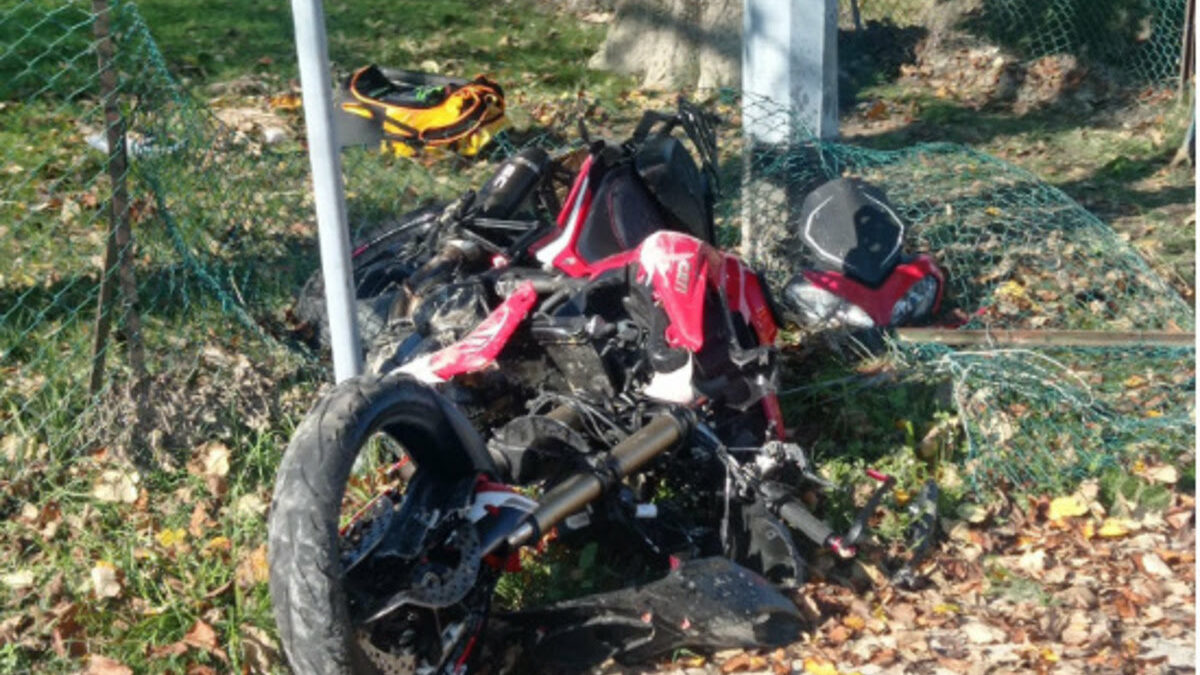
(587, 368)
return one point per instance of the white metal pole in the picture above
(789, 100)
(330, 198)
(789, 68)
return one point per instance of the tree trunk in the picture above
(675, 44)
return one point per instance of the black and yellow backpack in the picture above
(421, 112)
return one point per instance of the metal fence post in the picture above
(789, 92)
(330, 199)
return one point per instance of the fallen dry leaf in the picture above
(199, 523)
(252, 569)
(903, 613)
(1112, 528)
(1180, 519)
(1077, 629)
(218, 544)
(171, 538)
(106, 581)
(1033, 562)
(102, 665)
(116, 485)
(285, 102)
(743, 662)
(203, 637)
(980, 633)
(167, 651)
(249, 506)
(1162, 474)
(19, 580)
(211, 462)
(1080, 597)
(877, 111)
(1153, 565)
(1125, 608)
(1066, 507)
(819, 666)
(261, 655)
(215, 458)
(11, 628)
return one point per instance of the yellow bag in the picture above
(421, 112)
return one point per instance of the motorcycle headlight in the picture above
(917, 303)
(824, 310)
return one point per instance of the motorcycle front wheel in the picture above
(370, 561)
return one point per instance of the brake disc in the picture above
(367, 531)
(434, 586)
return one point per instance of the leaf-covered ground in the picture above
(1033, 585)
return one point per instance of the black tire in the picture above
(311, 605)
(381, 259)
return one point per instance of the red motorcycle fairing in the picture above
(479, 348)
(878, 303)
(681, 269)
(561, 248)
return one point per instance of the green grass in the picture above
(168, 581)
(1115, 162)
(521, 44)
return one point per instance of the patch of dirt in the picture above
(222, 395)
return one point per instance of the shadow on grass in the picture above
(950, 122)
(873, 56)
(1110, 191)
(1109, 188)
(1136, 38)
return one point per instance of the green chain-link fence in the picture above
(223, 238)
(53, 207)
(186, 356)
